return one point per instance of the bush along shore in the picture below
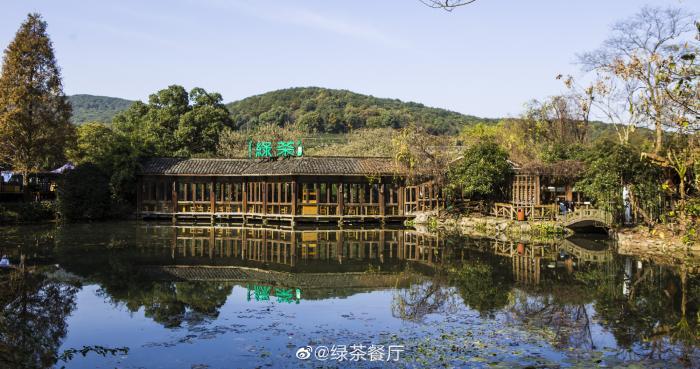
(488, 226)
(27, 212)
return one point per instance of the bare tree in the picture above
(635, 52)
(615, 100)
(561, 119)
(448, 5)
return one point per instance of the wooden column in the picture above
(173, 194)
(212, 196)
(382, 202)
(431, 195)
(317, 195)
(294, 196)
(341, 199)
(361, 198)
(264, 196)
(193, 192)
(244, 188)
(174, 198)
(401, 193)
(139, 196)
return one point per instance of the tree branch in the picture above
(447, 5)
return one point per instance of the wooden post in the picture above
(212, 198)
(139, 196)
(341, 199)
(264, 196)
(382, 203)
(245, 196)
(361, 199)
(294, 197)
(174, 199)
(431, 194)
(317, 196)
(402, 199)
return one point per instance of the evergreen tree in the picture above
(34, 112)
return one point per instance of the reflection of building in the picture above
(290, 189)
(532, 262)
(353, 250)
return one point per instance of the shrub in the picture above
(84, 194)
(20, 212)
(482, 171)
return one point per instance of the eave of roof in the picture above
(283, 166)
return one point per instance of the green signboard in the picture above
(279, 149)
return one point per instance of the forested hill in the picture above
(90, 108)
(336, 111)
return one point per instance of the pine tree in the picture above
(34, 112)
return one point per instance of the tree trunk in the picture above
(25, 185)
(658, 144)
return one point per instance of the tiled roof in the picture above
(280, 166)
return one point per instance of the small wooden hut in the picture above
(546, 183)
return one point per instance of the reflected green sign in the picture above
(283, 295)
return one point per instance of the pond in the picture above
(148, 295)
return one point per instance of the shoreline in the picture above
(638, 238)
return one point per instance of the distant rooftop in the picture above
(357, 166)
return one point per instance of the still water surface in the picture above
(223, 297)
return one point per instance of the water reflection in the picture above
(577, 295)
(33, 324)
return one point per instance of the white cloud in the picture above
(311, 19)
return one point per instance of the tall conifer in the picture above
(34, 112)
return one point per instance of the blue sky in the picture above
(486, 59)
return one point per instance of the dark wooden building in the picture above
(42, 186)
(290, 189)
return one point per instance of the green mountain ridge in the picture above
(324, 110)
(92, 108)
(338, 111)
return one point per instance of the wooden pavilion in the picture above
(314, 189)
(546, 183)
(538, 188)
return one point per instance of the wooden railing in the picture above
(594, 214)
(532, 212)
(259, 208)
(552, 212)
(362, 209)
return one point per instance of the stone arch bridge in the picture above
(586, 217)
